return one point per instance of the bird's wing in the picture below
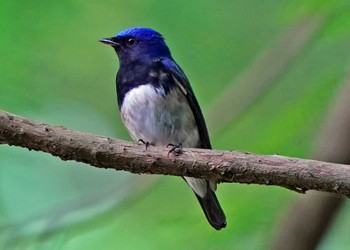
(183, 84)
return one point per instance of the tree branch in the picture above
(225, 166)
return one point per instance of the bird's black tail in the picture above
(212, 210)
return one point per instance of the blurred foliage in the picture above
(53, 69)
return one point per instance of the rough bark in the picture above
(225, 166)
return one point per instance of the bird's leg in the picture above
(145, 143)
(176, 148)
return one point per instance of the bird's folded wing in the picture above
(183, 84)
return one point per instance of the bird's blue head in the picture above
(138, 44)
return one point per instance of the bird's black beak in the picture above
(110, 41)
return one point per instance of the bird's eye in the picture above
(130, 42)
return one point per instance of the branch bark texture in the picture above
(224, 166)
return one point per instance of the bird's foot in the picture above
(146, 143)
(175, 148)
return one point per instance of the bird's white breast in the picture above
(156, 117)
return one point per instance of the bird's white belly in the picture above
(152, 116)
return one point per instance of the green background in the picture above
(53, 69)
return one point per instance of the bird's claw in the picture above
(176, 148)
(146, 143)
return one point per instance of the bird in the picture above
(158, 106)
